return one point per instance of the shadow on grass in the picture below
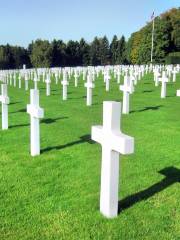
(19, 125)
(84, 97)
(12, 103)
(154, 108)
(147, 91)
(52, 120)
(174, 95)
(172, 175)
(20, 110)
(83, 139)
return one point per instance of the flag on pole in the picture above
(152, 16)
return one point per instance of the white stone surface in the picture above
(113, 143)
(4, 99)
(89, 85)
(36, 113)
(127, 89)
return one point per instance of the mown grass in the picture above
(56, 195)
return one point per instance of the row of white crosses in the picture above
(164, 77)
(109, 136)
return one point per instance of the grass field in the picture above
(56, 195)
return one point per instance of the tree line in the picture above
(135, 50)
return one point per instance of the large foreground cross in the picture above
(113, 143)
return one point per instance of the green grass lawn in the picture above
(56, 195)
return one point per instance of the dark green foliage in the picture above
(41, 55)
(58, 53)
(113, 50)
(72, 53)
(104, 51)
(173, 58)
(95, 52)
(166, 39)
(121, 51)
(84, 50)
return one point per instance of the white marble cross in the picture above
(48, 85)
(156, 77)
(65, 83)
(164, 80)
(118, 76)
(35, 114)
(107, 80)
(76, 78)
(89, 85)
(113, 143)
(127, 89)
(174, 74)
(56, 77)
(35, 82)
(26, 82)
(19, 77)
(4, 99)
(14, 79)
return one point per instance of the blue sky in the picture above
(22, 21)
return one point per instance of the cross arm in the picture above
(34, 111)
(4, 99)
(97, 134)
(121, 143)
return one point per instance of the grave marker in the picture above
(113, 143)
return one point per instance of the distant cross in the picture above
(14, 79)
(65, 83)
(76, 78)
(127, 89)
(19, 77)
(89, 85)
(113, 143)
(26, 82)
(56, 77)
(4, 99)
(156, 77)
(48, 85)
(35, 82)
(118, 76)
(164, 81)
(107, 80)
(36, 113)
(174, 74)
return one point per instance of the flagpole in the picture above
(152, 43)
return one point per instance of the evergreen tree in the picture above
(121, 51)
(84, 49)
(113, 50)
(95, 52)
(104, 51)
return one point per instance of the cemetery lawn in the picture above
(56, 195)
